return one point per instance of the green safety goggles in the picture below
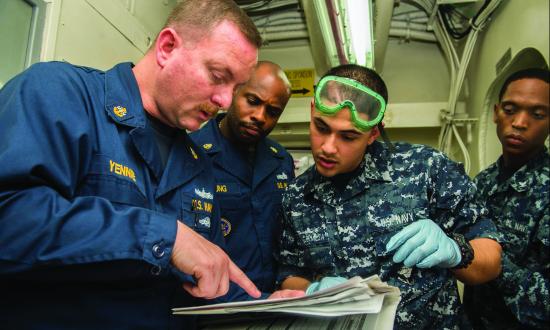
(334, 93)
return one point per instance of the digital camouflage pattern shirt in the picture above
(519, 206)
(331, 232)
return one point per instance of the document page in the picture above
(355, 296)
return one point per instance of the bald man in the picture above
(251, 171)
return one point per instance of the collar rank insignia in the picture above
(207, 146)
(274, 150)
(193, 153)
(120, 111)
(226, 226)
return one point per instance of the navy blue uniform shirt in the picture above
(249, 197)
(87, 212)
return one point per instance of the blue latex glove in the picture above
(424, 245)
(326, 282)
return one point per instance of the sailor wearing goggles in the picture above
(405, 212)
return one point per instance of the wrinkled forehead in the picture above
(228, 44)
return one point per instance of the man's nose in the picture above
(329, 145)
(223, 97)
(259, 115)
(521, 120)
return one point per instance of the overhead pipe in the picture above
(409, 34)
(336, 32)
(286, 14)
(278, 18)
(411, 15)
(409, 25)
(281, 28)
(422, 20)
(382, 16)
(285, 35)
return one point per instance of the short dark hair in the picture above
(204, 15)
(364, 75)
(534, 73)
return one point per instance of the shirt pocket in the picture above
(383, 229)
(319, 258)
(233, 201)
(236, 222)
(112, 188)
(118, 189)
(515, 234)
(229, 195)
(234, 206)
(196, 213)
(369, 255)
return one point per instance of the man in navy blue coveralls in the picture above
(251, 171)
(107, 209)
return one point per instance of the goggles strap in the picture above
(385, 137)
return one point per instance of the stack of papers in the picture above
(355, 296)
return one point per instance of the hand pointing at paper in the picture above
(208, 264)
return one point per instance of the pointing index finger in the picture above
(238, 277)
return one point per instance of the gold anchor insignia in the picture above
(120, 111)
(207, 146)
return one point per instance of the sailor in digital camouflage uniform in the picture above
(346, 215)
(516, 189)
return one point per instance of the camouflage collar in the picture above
(524, 178)
(377, 163)
(375, 167)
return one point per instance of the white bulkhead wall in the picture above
(101, 33)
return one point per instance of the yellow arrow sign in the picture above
(301, 81)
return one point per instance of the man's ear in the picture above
(168, 41)
(495, 113)
(374, 134)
